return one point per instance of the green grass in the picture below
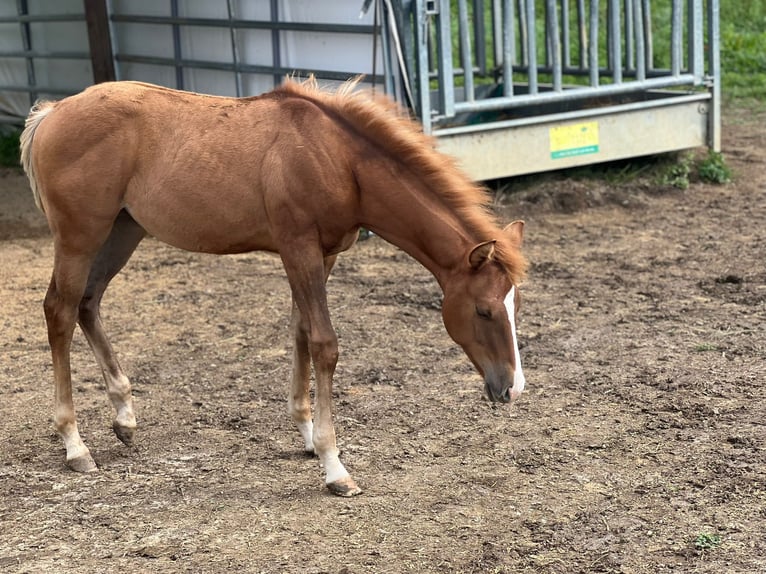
(743, 43)
(707, 541)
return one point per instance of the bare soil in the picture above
(639, 446)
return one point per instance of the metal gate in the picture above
(506, 86)
(518, 86)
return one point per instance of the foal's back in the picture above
(204, 173)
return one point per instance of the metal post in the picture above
(638, 31)
(583, 34)
(648, 36)
(554, 42)
(714, 72)
(478, 36)
(508, 47)
(276, 51)
(531, 47)
(675, 38)
(696, 36)
(465, 49)
(234, 48)
(421, 49)
(177, 46)
(630, 49)
(615, 46)
(593, 44)
(22, 9)
(446, 72)
(565, 40)
(523, 32)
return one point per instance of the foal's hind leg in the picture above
(125, 236)
(298, 401)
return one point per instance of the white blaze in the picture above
(518, 373)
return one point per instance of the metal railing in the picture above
(545, 51)
(275, 25)
(29, 54)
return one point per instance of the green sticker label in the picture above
(574, 139)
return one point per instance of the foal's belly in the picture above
(210, 230)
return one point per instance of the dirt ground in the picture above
(639, 446)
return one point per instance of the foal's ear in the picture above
(515, 231)
(481, 254)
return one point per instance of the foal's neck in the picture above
(401, 209)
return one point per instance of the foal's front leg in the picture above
(298, 401)
(307, 280)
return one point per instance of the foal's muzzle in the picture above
(502, 388)
(497, 396)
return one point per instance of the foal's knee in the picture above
(324, 351)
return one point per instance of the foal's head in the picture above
(479, 310)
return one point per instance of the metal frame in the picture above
(533, 78)
(233, 24)
(24, 19)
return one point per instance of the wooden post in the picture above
(99, 39)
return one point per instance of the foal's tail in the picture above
(36, 115)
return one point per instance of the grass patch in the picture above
(707, 541)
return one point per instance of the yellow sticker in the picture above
(574, 139)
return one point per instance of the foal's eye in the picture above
(483, 313)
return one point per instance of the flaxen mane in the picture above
(382, 120)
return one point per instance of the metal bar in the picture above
(177, 45)
(421, 49)
(615, 46)
(696, 40)
(478, 36)
(39, 89)
(572, 115)
(508, 48)
(714, 74)
(465, 49)
(523, 32)
(498, 32)
(444, 54)
(582, 33)
(593, 43)
(572, 94)
(531, 47)
(565, 39)
(45, 55)
(675, 37)
(22, 9)
(276, 45)
(243, 68)
(29, 18)
(648, 34)
(554, 42)
(247, 24)
(234, 47)
(639, 37)
(385, 46)
(630, 44)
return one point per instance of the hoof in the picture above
(82, 463)
(345, 487)
(125, 434)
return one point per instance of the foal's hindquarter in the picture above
(280, 173)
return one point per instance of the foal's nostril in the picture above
(506, 398)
